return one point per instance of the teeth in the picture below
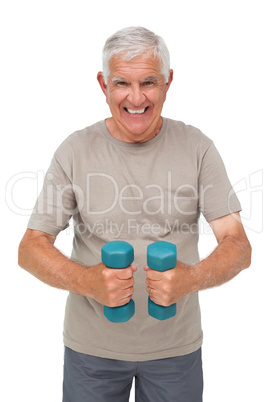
(135, 111)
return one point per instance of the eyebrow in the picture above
(147, 79)
(118, 79)
(154, 79)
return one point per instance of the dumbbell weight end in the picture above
(161, 312)
(120, 313)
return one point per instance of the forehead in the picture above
(143, 65)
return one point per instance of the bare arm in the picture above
(232, 255)
(39, 256)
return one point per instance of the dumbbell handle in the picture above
(161, 256)
(118, 254)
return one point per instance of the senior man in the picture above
(138, 177)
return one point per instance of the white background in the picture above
(50, 55)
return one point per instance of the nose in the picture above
(136, 95)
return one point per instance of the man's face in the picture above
(135, 92)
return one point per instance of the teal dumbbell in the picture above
(118, 254)
(161, 256)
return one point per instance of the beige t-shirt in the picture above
(139, 193)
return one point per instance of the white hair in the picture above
(131, 42)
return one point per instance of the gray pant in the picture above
(94, 379)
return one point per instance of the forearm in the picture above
(38, 256)
(231, 256)
(43, 260)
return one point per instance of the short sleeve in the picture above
(56, 203)
(216, 195)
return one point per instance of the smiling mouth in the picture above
(141, 111)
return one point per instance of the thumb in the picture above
(134, 268)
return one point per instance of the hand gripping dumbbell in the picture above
(118, 254)
(161, 256)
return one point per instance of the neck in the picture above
(120, 135)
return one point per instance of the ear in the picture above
(170, 79)
(101, 81)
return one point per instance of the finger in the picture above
(153, 284)
(126, 296)
(124, 273)
(149, 282)
(129, 291)
(149, 290)
(126, 283)
(124, 301)
(152, 294)
(153, 275)
(119, 297)
(148, 269)
(134, 268)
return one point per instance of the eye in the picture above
(148, 83)
(121, 83)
